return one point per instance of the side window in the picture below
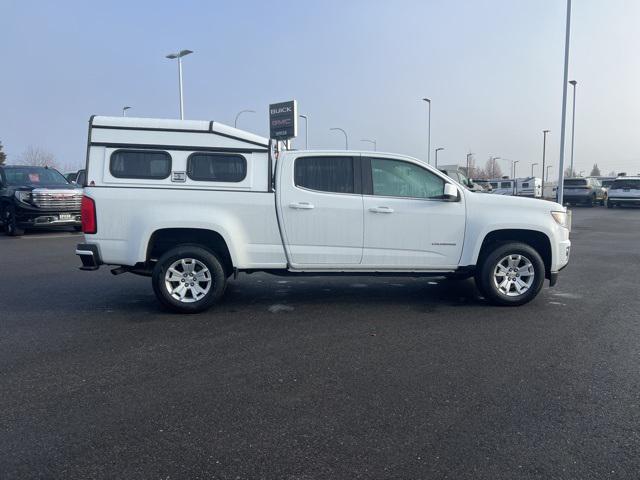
(396, 178)
(147, 164)
(81, 178)
(505, 184)
(325, 174)
(493, 185)
(216, 167)
(525, 185)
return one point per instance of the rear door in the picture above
(407, 224)
(320, 206)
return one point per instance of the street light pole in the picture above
(428, 100)
(306, 131)
(179, 55)
(560, 190)
(235, 122)
(548, 167)
(469, 155)
(124, 110)
(493, 166)
(437, 150)
(513, 168)
(533, 165)
(544, 151)
(375, 145)
(573, 123)
(346, 139)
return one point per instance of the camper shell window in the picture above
(144, 164)
(216, 167)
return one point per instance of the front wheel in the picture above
(511, 274)
(10, 222)
(189, 279)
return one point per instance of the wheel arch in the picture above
(536, 239)
(164, 239)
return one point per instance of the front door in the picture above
(407, 223)
(320, 204)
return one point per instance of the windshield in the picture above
(625, 184)
(34, 176)
(575, 182)
(607, 183)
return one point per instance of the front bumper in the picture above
(34, 217)
(89, 255)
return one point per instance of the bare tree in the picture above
(492, 168)
(37, 156)
(595, 171)
(3, 156)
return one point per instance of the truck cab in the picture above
(192, 203)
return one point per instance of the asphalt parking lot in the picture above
(322, 377)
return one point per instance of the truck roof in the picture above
(174, 125)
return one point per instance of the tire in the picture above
(9, 221)
(184, 261)
(77, 228)
(609, 204)
(523, 256)
(592, 202)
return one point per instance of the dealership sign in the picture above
(283, 120)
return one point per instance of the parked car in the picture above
(37, 197)
(486, 186)
(76, 178)
(583, 191)
(190, 203)
(459, 177)
(624, 191)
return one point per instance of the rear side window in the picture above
(216, 167)
(505, 185)
(140, 164)
(325, 174)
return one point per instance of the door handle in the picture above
(381, 210)
(301, 205)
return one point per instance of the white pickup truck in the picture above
(191, 203)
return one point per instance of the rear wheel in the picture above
(592, 202)
(511, 274)
(10, 222)
(610, 204)
(189, 279)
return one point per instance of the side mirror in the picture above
(450, 192)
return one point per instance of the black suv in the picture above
(34, 197)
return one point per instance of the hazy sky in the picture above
(492, 67)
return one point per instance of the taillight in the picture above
(88, 215)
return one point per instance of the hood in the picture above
(41, 186)
(496, 201)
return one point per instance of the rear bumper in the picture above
(625, 200)
(89, 255)
(579, 198)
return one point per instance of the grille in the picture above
(57, 200)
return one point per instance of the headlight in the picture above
(23, 196)
(562, 219)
